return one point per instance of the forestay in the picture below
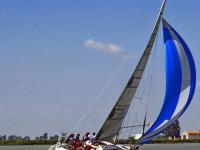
(113, 123)
(180, 82)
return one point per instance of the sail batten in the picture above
(112, 126)
(180, 82)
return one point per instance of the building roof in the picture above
(192, 132)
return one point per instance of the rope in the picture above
(151, 79)
(145, 82)
(106, 85)
(98, 95)
(150, 71)
(131, 106)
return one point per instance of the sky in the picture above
(64, 63)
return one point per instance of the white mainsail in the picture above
(113, 123)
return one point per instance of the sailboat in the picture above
(180, 87)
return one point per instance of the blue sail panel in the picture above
(180, 82)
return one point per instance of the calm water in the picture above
(171, 147)
(146, 147)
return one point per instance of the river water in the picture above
(146, 147)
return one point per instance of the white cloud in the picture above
(105, 47)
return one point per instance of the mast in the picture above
(113, 123)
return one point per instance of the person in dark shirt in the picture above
(77, 137)
(93, 136)
(78, 143)
(70, 138)
(86, 137)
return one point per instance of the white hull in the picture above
(57, 147)
(105, 146)
(52, 147)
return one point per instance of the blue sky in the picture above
(57, 56)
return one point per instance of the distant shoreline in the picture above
(30, 142)
(175, 141)
(49, 142)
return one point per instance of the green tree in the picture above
(173, 131)
(45, 136)
(4, 137)
(56, 137)
(26, 138)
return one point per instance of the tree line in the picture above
(26, 140)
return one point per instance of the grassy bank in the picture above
(30, 142)
(50, 142)
(164, 141)
(175, 141)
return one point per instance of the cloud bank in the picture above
(105, 47)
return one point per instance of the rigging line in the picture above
(98, 95)
(145, 83)
(107, 84)
(134, 126)
(127, 119)
(140, 92)
(143, 88)
(151, 67)
(151, 79)
(146, 79)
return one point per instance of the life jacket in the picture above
(77, 144)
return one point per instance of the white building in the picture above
(136, 136)
(190, 135)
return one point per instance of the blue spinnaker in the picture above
(180, 82)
